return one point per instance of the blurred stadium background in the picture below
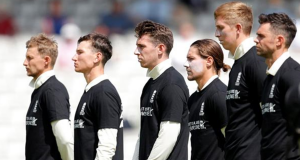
(67, 20)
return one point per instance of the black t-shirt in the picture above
(164, 99)
(243, 133)
(49, 102)
(99, 108)
(277, 142)
(208, 114)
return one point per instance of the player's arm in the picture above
(172, 101)
(108, 112)
(165, 141)
(107, 143)
(217, 102)
(57, 105)
(291, 82)
(64, 139)
(256, 73)
(136, 150)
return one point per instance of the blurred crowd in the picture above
(188, 19)
(117, 16)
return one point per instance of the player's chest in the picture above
(270, 102)
(238, 87)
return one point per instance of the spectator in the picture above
(117, 21)
(67, 45)
(53, 23)
(6, 23)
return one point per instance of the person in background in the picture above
(164, 114)
(279, 100)
(207, 106)
(48, 129)
(233, 22)
(53, 22)
(98, 121)
(115, 22)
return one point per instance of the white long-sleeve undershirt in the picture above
(64, 138)
(164, 143)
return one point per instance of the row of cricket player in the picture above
(256, 116)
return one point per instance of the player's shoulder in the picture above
(54, 84)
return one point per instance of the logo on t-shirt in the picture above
(152, 97)
(196, 125)
(272, 91)
(31, 121)
(35, 106)
(237, 82)
(201, 113)
(146, 111)
(268, 108)
(233, 94)
(78, 123)
(82, 109)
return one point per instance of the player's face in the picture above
(147, 52)
(265, 41)
(226, 34)
(195, 65)
(84, 58)
(34, 62)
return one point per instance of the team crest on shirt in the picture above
(268, 108)
(82, 109)
(78, 123)
(35, 106)
(272, 91)
(233, 94)
(196, 125)
(31, 121)
(152, 97)
(237, 82)
(201, 113)
(146, 111)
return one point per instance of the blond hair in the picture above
(46, 46)
(236, 12)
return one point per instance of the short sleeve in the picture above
(218, 110)
(291, 84)
(256, 75)
(56, 104)
(172, 101)
(108, 110)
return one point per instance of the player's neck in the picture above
(241, 38)
(275, 55)
(92, 74)
(203, 80)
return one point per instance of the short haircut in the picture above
(46, 46)
(99, 43)
(209, 47)
(236, 12)
(158, 32)
(281, 24)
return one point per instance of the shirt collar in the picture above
(243, 48)
(41, 79)
(159, 69)
(95, 81)
(278, 63)
(208, 82)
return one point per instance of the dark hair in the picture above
(46, 46)
(159, 33)
(282, 24)
(209, 47)
(100, 43)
